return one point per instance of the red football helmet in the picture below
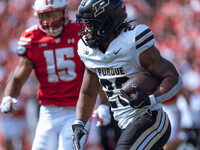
(52, 15)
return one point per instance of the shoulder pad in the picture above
(30, 35)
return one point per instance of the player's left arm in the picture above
(162, 68)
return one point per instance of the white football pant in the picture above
(54, 129)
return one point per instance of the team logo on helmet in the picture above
(100, 7)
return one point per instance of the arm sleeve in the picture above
(172, 92)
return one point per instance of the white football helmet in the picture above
(52, 15)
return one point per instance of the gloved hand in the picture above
(102, 113)
(78, 132)
(8, 104)
(141, 99)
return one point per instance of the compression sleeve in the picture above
(172, 92)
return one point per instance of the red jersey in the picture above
(56, 63)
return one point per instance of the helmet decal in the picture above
(100, 7)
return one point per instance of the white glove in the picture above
(8, 104)
(102, 113)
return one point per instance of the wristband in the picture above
(152, 99)
(79, 122)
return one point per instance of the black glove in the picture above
(78, 132)
(140, 99)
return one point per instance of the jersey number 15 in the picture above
(59, 60)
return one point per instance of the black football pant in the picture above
(149, 132)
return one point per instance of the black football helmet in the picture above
(103, 16)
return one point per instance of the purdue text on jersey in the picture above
(110, 71)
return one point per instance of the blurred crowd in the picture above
(176, 27)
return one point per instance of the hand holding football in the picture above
(145, 82)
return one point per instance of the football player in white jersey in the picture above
(113, 51)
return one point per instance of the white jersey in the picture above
(117, 65)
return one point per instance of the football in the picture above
(145, 82)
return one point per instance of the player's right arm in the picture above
(21, 74)
(14, 85)
(87, 99)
